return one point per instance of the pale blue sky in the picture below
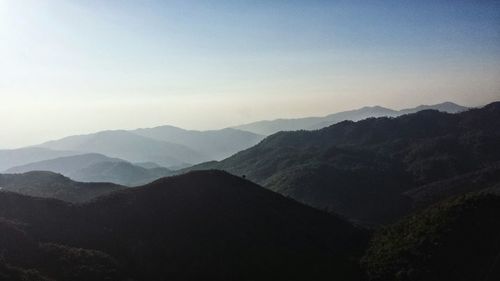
(72, 66)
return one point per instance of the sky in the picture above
(71, 67)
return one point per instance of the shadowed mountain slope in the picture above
(25, 258)
(96, 168)
(123, 173)
(51, 185)
(202, 225)
(455, 240)
(362, 169)
(64, 165)
(483, 179)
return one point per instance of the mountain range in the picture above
(270, 127)
(15, 157)
(407, 198)
(95, 167)
(210, 224)
(174, 147)
(164, 146)
(130, 147)
(366, 170)
(215, 144)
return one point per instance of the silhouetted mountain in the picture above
(152, 148)
(15, 157)
(216, 144)
(362, 170)
(314, 123)
(269, 127)
(353, 115)
(64, 165)
(148, 165)
(96, 168)
(123, 173)
(51, 185)
(166, 146)
(200, 226)
(455, 240)
(130, 147)
(444, 107)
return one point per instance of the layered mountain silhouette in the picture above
(270, 127)
(16, 157)
(216, 144)
(97, 168)
(148, 165)
(51, 185)
(166, 146)
(365, 170)
(206, 225)
(426, 183)
(64, 165)
(176, 148)
(127, 157)
(130, 147)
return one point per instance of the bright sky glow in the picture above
(69, 66)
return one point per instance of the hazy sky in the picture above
(70, 66)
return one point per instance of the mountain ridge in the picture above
(202, 225)
(21, 156)
(128, 146)
(217, 144)
(51, 185)
(94, 167)
(362, 169)
(269, 127)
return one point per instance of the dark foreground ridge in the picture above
(203, 225)
(51, 185)
(458, 239)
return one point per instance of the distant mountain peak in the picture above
(448, 103)
(269, 127)
(447, 106)
(45, 174)
(53, 185)
(377, 107)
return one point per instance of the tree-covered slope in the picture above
(362, 169)
(202, 225)
(26, 258)
(458, 239)
(50, 185)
